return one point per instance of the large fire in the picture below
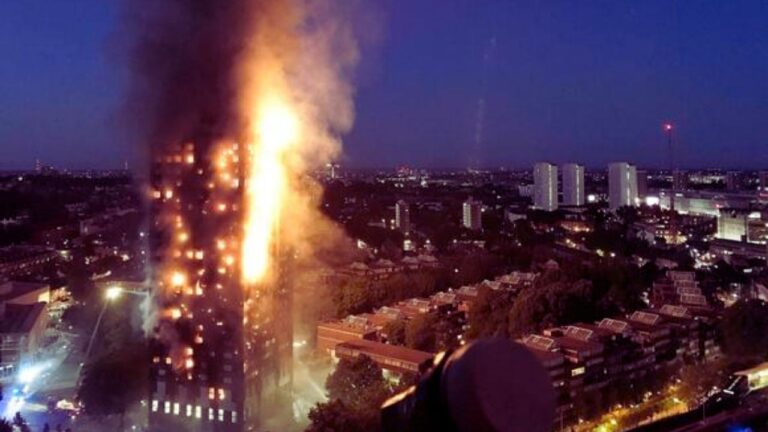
(245, 98)
(277, 130)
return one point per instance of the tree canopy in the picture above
(115, 381)
(745, 331)
(420, 332)
(356, 390)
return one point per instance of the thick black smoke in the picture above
(182, 56)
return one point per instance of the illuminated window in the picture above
(154, 405)
(221, 415)
(167, 407)
(198, 411)
(577, 371)
(234, 416)
(210, 414)
(189, 410)
(176, 408)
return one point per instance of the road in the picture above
(52, 377)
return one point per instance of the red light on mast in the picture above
(667, 127)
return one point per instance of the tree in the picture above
(5, 426)
(489, 313)
(420, 332)
(745, 331)
(333, 416)
(559, 302)
(359, 385)
(116, 330)
(115, 381)
(356, 390)
(395, 331)
(352, 297)
(697, 380)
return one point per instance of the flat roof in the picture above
(20, 318)
(11, 290)
(567, 342)
(600, 332)
(386, 350)
(345, 327)
(377, 319)
(548, 358)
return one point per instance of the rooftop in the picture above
(20, 318)
(386, 350)
(11, 290)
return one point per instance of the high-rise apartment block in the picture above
(472, 214)
(403, 216)
(573, 185)
(622, 185)
(219, 344)
(545, 186)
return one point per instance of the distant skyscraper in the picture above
(472, 215)
(38, 166)
(545, 186)
(679, 180)
(573, 185)
(733, 180)
(763, 181)
(403, 216)
(622, 185)
(642, 184)
(333, 170)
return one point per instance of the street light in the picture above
(113, 293)
(110, 295)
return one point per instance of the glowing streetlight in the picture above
(110, 295)
(113, 293)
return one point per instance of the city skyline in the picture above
(63, 99)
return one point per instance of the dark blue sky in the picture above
(588, 81)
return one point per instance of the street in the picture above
(49, 382)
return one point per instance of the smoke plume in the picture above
(210, 72)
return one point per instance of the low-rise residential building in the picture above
(392, 358)
(330, 334)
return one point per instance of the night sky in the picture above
(585, 81)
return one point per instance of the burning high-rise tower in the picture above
(240, 100)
